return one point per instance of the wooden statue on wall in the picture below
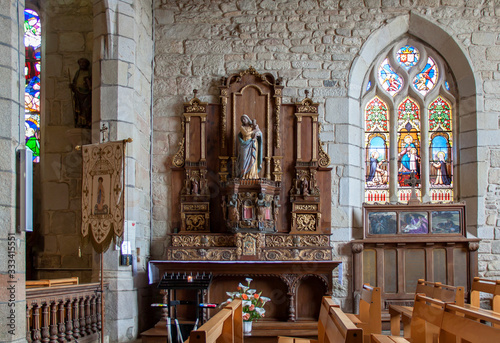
(81, 88)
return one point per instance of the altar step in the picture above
(262, 331)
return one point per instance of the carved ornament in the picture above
(357, 247)
(306, 222)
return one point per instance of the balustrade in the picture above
(64, 314)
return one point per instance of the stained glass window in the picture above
(427, 78)
(408, 56)
(377, 151)
(440, 150)
(433, 178)
(32, 43)
(389, 79)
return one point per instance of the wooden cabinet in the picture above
(403, 243)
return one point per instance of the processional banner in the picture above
(102, 193)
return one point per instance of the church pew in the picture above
(491, 287)
(425, 322)
(333, 326)
(52, 282)
(460, 324)
(434, 290)
(226, 326)
(370, 311)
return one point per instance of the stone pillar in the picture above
(12, 242)
(122, 76)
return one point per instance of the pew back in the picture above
(462, 324)
(492, 287)
(370, 311)
(226, 326)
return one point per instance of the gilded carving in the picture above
(298, 254)
(178, 160)
(306, 222)
(223, 122)
(195, 207)
(277, 121)
(195, 222)
(324, 159)
(306, 207)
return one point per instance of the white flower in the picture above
(231, 294)
(246, 303)
(260, 310)
(248, 280)
(243, 288)
(265, 299)
(251, 291)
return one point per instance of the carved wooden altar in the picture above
(229, 211)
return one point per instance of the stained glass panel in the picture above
(408, 141)
(427, 78)
(389, 79)
(377, 151)
(408, 56)
(440, 150)
(32, 42)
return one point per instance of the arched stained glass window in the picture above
(377, 151)
(422, 115)
(32, 43)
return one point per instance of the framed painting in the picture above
(382, 223)
(445, 221)
(414, 222)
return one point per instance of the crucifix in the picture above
(103, 131)
(413, 182)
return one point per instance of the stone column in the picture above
(12, 242)
(122, 76)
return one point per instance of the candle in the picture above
(190, 278)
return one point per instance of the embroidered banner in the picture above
(102, 193)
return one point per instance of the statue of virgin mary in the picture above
(249, 162)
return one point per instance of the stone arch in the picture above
(469, 99)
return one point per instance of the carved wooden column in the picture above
(28, 324)
(45, 323)
(36, 324)
(305, 193)
(69, 320)
(195, 194)
(60, 323)
(76, 318)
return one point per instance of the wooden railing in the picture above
(65, 313)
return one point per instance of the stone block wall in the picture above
(313, 45)
(67, 31)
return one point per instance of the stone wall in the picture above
(319, 45)
(67, 30)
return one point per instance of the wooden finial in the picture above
(195, 91)
(307, 93)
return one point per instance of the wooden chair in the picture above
(434, 290)
(226, 326)
(52, 282)
(333, 326)
(370, 311)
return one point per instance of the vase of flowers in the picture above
(252, 301)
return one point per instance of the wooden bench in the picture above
(434, 290)
(52, 282)
(434, 320)
(370, 311)
(425, 322)
(226, 326)
(333, 326)
(491, 287)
